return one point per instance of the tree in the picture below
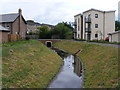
(62, 31)
(117, 25)
(44, 32)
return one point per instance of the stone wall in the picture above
(49, 40)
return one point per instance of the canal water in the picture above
(71, 73)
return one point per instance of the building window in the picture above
(78, 28)
(85, 18)
(96, 25)
(6, 25)
(96, 15)
(78, 20)
(89, 15)
(75, 20)
(96, 35)
(16, 32)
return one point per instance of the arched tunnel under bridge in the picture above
(49, 42)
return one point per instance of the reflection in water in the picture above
(77, 66)
(70, 75)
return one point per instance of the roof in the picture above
(3, 29)
(114, 32)
(8, 17)
(47, 25)
(30, 22)
(92, 9)
(78, 15)
(36, 23)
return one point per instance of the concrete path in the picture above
(113, 45)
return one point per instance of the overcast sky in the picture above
(54, 11)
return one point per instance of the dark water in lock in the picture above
(70, 75)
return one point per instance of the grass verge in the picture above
(28, 64)
(99, 41)
(100, 63)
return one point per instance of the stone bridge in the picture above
(49, 42)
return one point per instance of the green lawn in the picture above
(100, 63)
(28, 64)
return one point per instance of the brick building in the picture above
(3, 34)
(15, 23)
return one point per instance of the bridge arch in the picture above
(48, 43)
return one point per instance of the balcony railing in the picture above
(75, 24)
(88, 20)
(74, 31)
(88, 30)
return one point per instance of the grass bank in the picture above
(99, 41)
(100, 63)
(28, 64)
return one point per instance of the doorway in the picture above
(88, 37)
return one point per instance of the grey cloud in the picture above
(53, 13)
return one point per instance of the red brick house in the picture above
(3, 34)
(15, 23)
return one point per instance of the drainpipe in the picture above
(20, 13)
(104, 25)
(81, 26)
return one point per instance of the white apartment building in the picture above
(78, 33)
(119, 11)
(94, 25)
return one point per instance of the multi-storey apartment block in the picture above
(78, 33)
(94, 24)
(119, 11)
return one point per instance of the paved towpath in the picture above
(113, 45)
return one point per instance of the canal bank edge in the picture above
(58, 49)
(100, 62)
(33, 65)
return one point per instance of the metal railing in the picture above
(88, 30)
(75, 24)
(88, 20)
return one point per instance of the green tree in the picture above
(117, 25)
(44, 32)
(62, 31)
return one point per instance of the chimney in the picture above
(20, 11)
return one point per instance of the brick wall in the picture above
(23, 27)
(4, 37)
(15, 26)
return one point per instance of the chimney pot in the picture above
(20, 11)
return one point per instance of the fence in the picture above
(32, 36)
(14, 37)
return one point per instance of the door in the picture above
(88, 37)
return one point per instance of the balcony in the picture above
(74, 31)
(88, 30)
(88, 20)
(75, 24)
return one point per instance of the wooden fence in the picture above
(14, 37)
